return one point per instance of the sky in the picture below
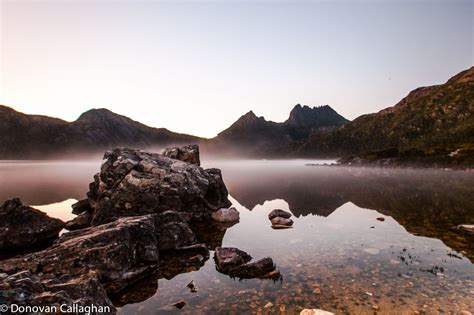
(196, 66)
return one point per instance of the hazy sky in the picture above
(196, 67)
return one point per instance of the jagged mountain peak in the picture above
(316, 116)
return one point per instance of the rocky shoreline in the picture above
(140, 206)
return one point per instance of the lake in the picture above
(339, 256)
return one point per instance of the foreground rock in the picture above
(26, 289)
(225, 215)
(280, 219)
(116, 254)
(236, 263)
(25, 227)
(139, 205)
(119, 252)
(133, 182)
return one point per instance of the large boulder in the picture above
(133, 182)
(25, 227)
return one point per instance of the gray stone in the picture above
(279, 213)
(226, 215)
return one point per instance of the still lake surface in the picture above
(338, 256)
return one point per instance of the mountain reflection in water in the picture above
(335, 255)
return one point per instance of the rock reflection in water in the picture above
(337, 263)
(426, 202)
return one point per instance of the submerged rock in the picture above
(133, 182)
(236, 263)
(279, 213)
(25, 227)
(226, 215)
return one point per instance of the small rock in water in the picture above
(279, 213)
(282, 221)
(375, 307)
(192, 286)
(226, 215)
(179, 304)
(315, 311)
(381, 219)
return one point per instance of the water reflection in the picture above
(337, 256)
(426, 202)
(339, 263)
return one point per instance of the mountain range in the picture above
(38, 137)
(433, 123)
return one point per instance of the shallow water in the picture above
(338, 256)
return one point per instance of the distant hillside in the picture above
(254, 135)
(34, 136)
(429, 122)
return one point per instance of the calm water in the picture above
(338, 256)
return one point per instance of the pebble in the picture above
(317, 291)
(268, 305)
(372, 251)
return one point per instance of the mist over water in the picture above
(337, 244)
